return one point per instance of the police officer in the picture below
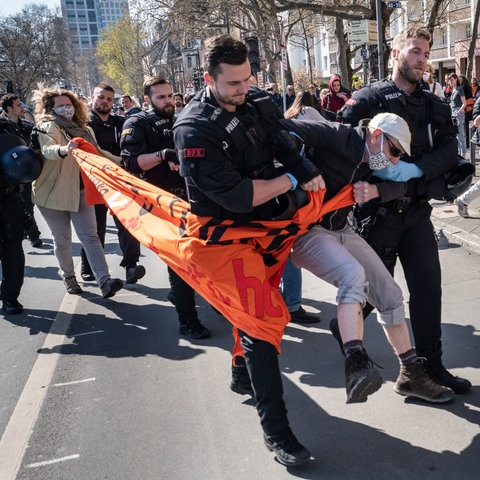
(108, 128)
(17, 125)
(222, 139)
(18, 165)
(147, 151)
(402, 227)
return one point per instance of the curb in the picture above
(458, 236)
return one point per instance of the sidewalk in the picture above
(454, 229)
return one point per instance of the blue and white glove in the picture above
(401, 172)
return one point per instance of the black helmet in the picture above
(459, 179)
(18, 163)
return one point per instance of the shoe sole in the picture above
(421, 397)
(284, 462)
(369, 384)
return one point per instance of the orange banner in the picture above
(237, 269)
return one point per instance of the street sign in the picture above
(394, 4)
(189, 88)
(364, 52)
(362, 31)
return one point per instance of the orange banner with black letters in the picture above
(237, 269)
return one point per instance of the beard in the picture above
(102, 110)
(166, 112)
(410, 74)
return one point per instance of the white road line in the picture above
(17, 434)
(74, 382)
(86, 333)
(51, 462)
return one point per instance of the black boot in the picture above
(240, 379)
(361, 378)
(288, 450)
(439, 374)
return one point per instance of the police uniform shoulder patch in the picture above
(194, 152)
(127, 131)
(351, 102)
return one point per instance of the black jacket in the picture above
(220, 152)
(147, 132)
(418, 109)
(107, 132)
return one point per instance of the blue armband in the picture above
(293, 180)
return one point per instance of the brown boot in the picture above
(414, 381)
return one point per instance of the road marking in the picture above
(74, 382)
(51, 462)
(17, 434)
(86, 333)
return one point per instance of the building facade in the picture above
(86, 18)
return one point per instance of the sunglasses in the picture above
(395, 151)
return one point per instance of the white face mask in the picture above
(426, 77)
(65, 111)
(378, 161)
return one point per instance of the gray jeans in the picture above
(345, 260)
(85, 226)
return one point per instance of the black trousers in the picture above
(182, 296)
(12, 224)
(410, 236)
(261, 359)
(129, 245)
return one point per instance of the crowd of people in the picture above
(240, 158)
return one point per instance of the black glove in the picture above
(170, 155)
(287, 147)
(302, 168)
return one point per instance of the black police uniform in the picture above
(147, 132)
(12, 224)
(403, 227)
(220, 152)
(108, 135)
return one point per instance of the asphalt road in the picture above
(96, 389)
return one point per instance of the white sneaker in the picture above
(462, 209)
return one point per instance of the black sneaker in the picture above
(12, 307)
(302, 316)
(360, 377)
(439, 374)
(133, 274)
(240, 379)
(86, 272)
(288, 450)
(111, 287)
(195, 330)
(333, 326)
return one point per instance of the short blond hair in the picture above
(410, 32)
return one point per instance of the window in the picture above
(443, 37)
(189, 62)
(90, 4)
(468, 30)
(93, 29)
(92, 17)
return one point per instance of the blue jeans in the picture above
(291, 286)
(462, 141)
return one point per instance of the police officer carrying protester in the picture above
(147, 151)
(18, 165)
(222, 140)
(402, 228)
(108, 128)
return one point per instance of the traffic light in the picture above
(8, 86)
(253, 55)
(196, 81)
